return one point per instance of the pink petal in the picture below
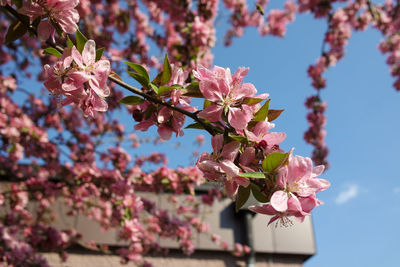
(231, 188)
(44, 30)
(308, 203)
(248, 156)
(238, 118)
(318, 184)
(89, 53)
(212, 113)
(164, 114)
(239, 74)
(279, 201)
(99, 104)
(245, 182)
(318, 170)
(164, 132)
(211, 90)
(202, 73)
(103, 92)
(230, 150)
(274, 138)
(229, 168)
(281, 178)
(266, 209)
(217, 141)
(77, 57)
(245, 90)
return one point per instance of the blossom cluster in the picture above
(78, 78)
(251, 157)
(61, 15)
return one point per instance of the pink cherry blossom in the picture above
(60, 12)
(221, 164)
(80, 79)
(226, 92)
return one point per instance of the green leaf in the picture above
(52, 51)
(258, 195)
(80, 41)
(167, 71)
(157, 79)
(251, 100)
(273, 114)
(207, 103)
(15, 31)
(99, 53)
(70, 44)
(165, 181)
(262, 113)
(140, 70)
(155, 88)
(131, 100)
(193, 90)
(142, 80)
(242, 197)
(273, 161)
(195, 126)
(149, 111)
(166, 89)
(254, 175)
(239, 138)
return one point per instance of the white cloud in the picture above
(396, 190)
(350, 192)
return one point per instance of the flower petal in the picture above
(279, 201)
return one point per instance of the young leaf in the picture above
(262, 113)
(254, 175)
(15, 31)
(207, 103)
(99, 53)
(167, 71)
(251, 100)
(195, 126)
(155, 88)
(239, 138)
(273, 114)
(257, 194)
(142, 80)
(273, 161)
(80, 41)
(70, 44)
(131, 100)
(193, 90)
(166, 89)
(242, 197)
(140, 70)
(52, 51)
